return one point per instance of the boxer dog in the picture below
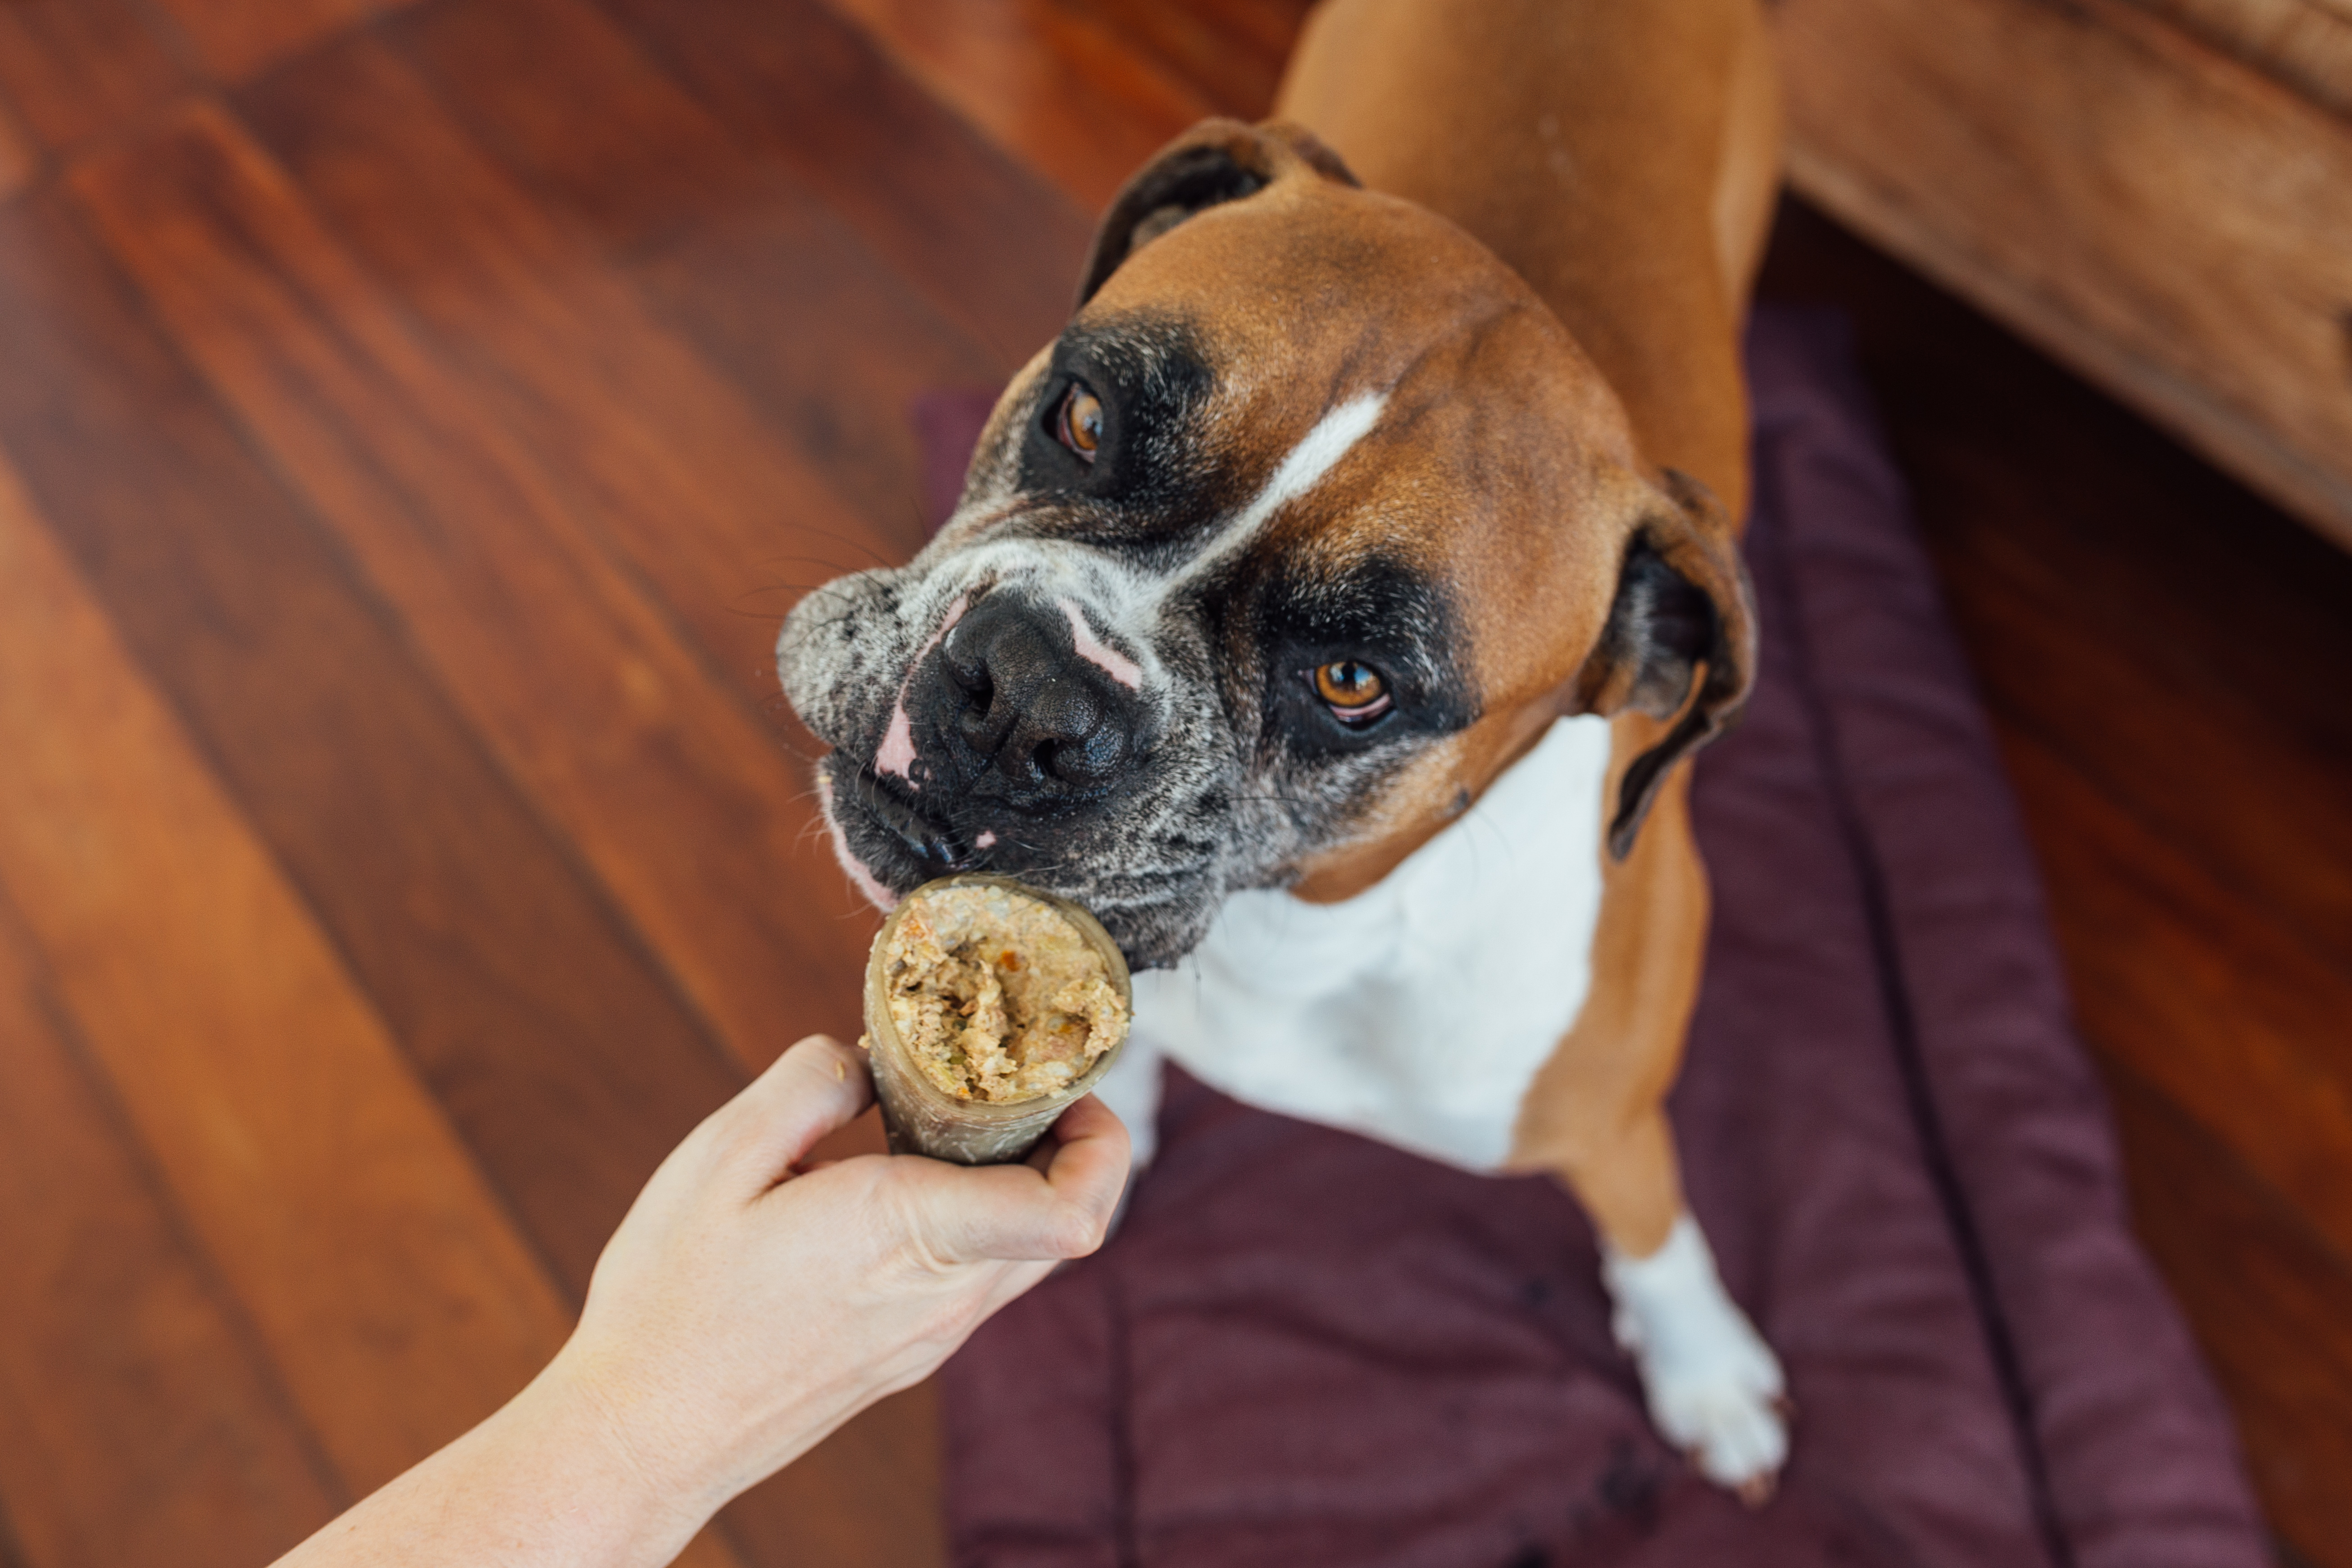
(1332, 605)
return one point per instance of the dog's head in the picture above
(1303, 530)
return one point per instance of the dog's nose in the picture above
(1021, 698)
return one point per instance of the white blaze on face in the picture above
(1094, 651)
(1317, 453)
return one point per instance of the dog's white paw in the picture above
(1715, 1389)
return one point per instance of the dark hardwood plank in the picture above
(731, 252)
(650, 159)
(689, 489)
(380, 1273)
(990, 245)
(76, 70)
(1065, 94)
(2269, 1302)
(728, 502)
(17, 158)
(559, 1050)
(800, 325)
(668, 783)
(238, 40)
(705, 813)
(136, 1423)
(1231, 53)
(2198, 992)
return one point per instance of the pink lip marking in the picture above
(1092, 649)
(865, 882)
(896, 755)
(987, 839)
(897, 752)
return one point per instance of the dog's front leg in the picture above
(1595, 1118)
(1713, 1387)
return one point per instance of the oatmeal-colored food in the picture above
(996, 997)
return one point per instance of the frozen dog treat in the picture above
(996, 995)
(989, 1008)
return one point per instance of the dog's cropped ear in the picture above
(1217, 161)
(1682, 600)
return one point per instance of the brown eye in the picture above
(1355, 690)
(1079, 424)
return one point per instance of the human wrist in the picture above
(638, 1485)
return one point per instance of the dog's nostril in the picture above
(972, 679)
(980, 726)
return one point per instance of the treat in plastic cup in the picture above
(990, 1007)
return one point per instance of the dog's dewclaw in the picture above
(989, 1008)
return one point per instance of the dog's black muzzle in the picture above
(1017, 740)
(1009, 717)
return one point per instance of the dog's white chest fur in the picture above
(1417, 1012)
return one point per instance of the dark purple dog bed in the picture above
(1304, 1348)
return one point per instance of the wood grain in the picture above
(2244, 1030)
(701, 487)
(675, 793)
(77, 69)
(1231, 53)
(730, 252)
(17, 158)
(2305, 45)
(1049, 83)
(239, 40)
(503, 970)
(989, 243)
(2170, 222)
(584, 368)
(138, 1423)
(379, 1271)
(2270, 1302)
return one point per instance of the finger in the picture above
(1091, 1160)
(1017, 1212)
(817, 1086)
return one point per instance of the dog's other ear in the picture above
(1217, 161)
(1683, 600)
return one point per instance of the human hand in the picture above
(743, 1309)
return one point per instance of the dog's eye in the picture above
(1357, 694)
(1079, 424)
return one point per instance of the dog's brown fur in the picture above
(1621, 158)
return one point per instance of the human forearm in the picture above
(744, 1310)
(545, 1480)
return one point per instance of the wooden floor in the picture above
(413, 422)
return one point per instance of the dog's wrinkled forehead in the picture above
(1233, 366)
